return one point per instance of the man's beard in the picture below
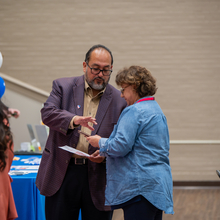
(94, 85)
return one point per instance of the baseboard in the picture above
(196, 183)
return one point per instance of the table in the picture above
(30, 204)
(28, 200)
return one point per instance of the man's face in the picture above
(99, 59)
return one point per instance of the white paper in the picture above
(24, 167)
(21, 172)
(75, 151)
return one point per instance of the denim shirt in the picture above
(137, 157)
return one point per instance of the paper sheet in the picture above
(21, 172)
(75, 151)
(24, 167)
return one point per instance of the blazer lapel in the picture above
(102, 109)
(78, 91)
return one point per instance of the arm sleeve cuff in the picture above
(103, 149)
(72, 125)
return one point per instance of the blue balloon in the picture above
(2, 87)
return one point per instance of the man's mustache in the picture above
(99, 78)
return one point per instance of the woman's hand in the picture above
(95, 157)
(94, 140)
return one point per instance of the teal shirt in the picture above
(137, 157)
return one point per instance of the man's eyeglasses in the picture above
(123, 89)
(96, 71)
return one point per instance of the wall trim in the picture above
(24, 89)
(24, 85)
(194, 141)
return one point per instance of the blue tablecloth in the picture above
(30, 204)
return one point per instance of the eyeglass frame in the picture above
(123, 89)
(91, 68)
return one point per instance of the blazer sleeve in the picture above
(54, 115)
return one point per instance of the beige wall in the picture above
(29, 101)
(178, 41)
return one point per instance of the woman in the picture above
(7, 205)
(139, 176)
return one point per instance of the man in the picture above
(86, 103)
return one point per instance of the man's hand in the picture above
(95, 157)
(84, 121)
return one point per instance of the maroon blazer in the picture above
(62, 105)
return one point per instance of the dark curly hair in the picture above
(144, 83)
(5, 138)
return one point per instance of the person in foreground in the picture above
(70, 182)
(139, 178)
(7, 204)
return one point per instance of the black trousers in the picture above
(73, 195)
(142, 210)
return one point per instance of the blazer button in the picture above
(63, 130)
(67, 161)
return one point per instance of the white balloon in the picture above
(1, 59)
